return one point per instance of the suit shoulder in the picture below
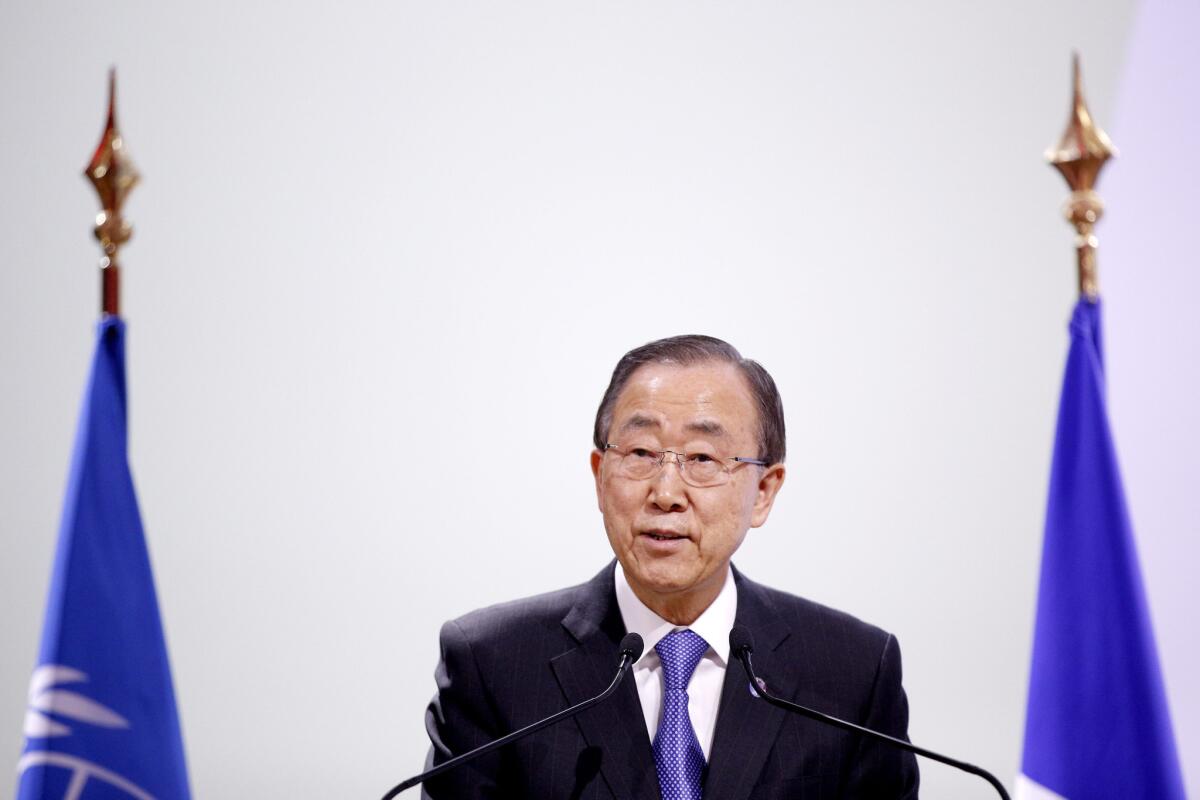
(812, 616)
(505, 621)
(843, 656)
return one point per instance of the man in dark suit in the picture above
(689, 451)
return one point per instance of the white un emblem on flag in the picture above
(45, 699)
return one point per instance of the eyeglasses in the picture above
(697, 469)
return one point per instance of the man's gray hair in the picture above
(692, 349)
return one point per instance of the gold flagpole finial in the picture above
(113, 176)
(1080, 155)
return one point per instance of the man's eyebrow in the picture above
(639, 422)
(708, 426)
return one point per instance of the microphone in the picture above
(741, 644)
(630, 651)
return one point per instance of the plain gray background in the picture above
(387, 254)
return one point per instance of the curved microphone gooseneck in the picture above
(742, 645)
(631, 651)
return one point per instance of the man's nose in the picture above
(668, 490)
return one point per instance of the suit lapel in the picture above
(746, 725)
(616, 727)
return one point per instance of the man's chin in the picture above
(665, 579)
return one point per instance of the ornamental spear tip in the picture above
(1079, 156)
(113, 176)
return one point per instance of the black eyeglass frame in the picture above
(682, 458)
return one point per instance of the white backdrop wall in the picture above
(1154, 355)
(387, 254)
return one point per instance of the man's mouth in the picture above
(664, 536)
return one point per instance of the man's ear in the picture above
(597, 461)
(769, 484)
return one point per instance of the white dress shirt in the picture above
(704, 691)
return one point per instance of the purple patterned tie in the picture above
(677, 752)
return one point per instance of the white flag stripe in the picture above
(1031, 790)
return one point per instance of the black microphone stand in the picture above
(629, 653)
(760, 689)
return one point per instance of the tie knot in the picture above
(680, 652)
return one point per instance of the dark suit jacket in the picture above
(510, 665)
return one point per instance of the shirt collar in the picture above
(713, 625)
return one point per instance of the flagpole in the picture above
(113, 176)
(1079, 156)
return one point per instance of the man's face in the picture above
(674, 539)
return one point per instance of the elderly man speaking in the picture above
(689, 452)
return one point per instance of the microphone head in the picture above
(632, 645)
(740, 640)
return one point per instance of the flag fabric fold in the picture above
(101, 720)
(1097, 724)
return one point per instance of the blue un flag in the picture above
(101, 721)
(1097, 726)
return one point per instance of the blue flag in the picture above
(101, 720)
(1097, 725)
